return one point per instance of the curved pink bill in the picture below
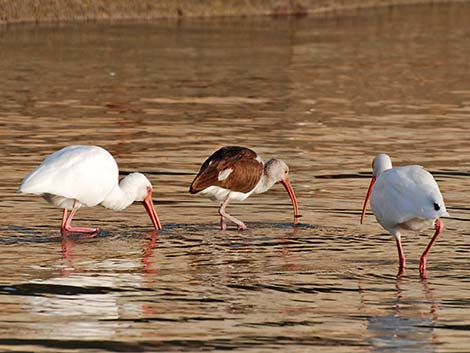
(372, 182)
(148, 204)
(290, 190)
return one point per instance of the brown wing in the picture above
(246, 170)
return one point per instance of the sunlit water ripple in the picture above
(324, 95)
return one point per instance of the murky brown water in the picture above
(325, 95)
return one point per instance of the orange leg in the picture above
(438, 225)
(66, 226)
(401, 257)
(223, 224)
(64, 219)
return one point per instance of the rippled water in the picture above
(323, 94)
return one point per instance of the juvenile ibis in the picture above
(233, 173)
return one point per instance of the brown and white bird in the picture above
(233, 173)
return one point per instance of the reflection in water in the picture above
(325, 95)
(86, 301)
(148, 253)
(67, 245)
(406, 329)
(401, 334)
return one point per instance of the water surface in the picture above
(325, 95)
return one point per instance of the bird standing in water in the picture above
(77, 176)
(233, 173)
(405, 198)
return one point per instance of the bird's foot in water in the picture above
(87, 232)
(242, 227)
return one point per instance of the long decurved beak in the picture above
(372, 182)
(290, 190)
(148, 204)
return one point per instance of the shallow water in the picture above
(323, 94)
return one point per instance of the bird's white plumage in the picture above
(86, 174)
(220, 194)
(404, 197)
(224, 174)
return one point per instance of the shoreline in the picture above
(29, 11)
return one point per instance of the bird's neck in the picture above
(266, 182)
(382, 168)
(120, 197)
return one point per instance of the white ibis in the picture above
(405, 198)
(233, 173)
(77, 176)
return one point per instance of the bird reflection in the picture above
(287, 254)
(407, 328)
(149, 271)
(147, 253)
(67, 244)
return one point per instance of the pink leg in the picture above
(64, 219)
(438, 225)
(67, 226)
(223, 214)
(223, 224)
(401, 257)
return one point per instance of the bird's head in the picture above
(278, 171)
(139, 184)
(142, 190)
(381, 163)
